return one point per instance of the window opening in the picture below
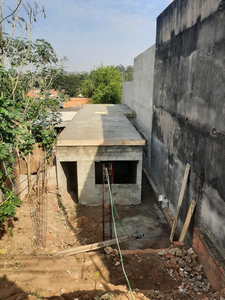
(124, 172)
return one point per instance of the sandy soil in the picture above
(28, 271)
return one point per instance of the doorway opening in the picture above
(70, 172)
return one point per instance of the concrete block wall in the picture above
(90, 193)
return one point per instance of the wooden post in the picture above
(187, 221)
(180, 200)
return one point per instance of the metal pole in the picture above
(103, 201)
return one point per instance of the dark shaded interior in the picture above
(70, 171)
(123, 171)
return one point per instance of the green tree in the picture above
(71, 83)
(104, 85)
(24, 120)
(126, 72)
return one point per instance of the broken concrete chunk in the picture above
(163, 252)
(179, 253)
(108, 250)
(173, 251)
(169, 255)
(115, 252)
(188, 259)
(190, 251)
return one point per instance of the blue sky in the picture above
(91, 32)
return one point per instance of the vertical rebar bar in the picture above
(103, 201)
(110, 209)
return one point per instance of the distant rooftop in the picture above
(101, 125)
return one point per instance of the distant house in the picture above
(36, 94)
(78, 101)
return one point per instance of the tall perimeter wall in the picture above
(138, 95)
(189, 111)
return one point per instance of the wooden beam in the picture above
(187, 221)
(95, 246)
(180, 200)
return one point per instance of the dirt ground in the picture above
(28, 271)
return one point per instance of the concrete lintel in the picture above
(100, 143)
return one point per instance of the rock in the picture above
(188, 269)
(107, 256)
(195, 263)
(179, 253)
(169, 255)
(190, 251)
(173, 261)
(194, 256)
(188, 259)
(205, 280)
(170, 265)
(199, 277)
(198, 283)
(170, 271)
(115, 251)
(163, 252)
(172, 251)
(117, 264)
(182, 273)
(182, 264)
(185, 252)
(198, 269)
(108, 250)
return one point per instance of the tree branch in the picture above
(20, 1)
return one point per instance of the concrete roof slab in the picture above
(101, 125)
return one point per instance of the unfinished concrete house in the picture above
(179, 84)
(96, 136)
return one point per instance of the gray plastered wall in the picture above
(189, 113)
(188, 106)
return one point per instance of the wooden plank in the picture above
(180, 200)
(187, 221)
(95, 246)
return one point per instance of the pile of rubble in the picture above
(112, 253)
(183, 264)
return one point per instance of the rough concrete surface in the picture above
(96, 125)
(188, 119)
